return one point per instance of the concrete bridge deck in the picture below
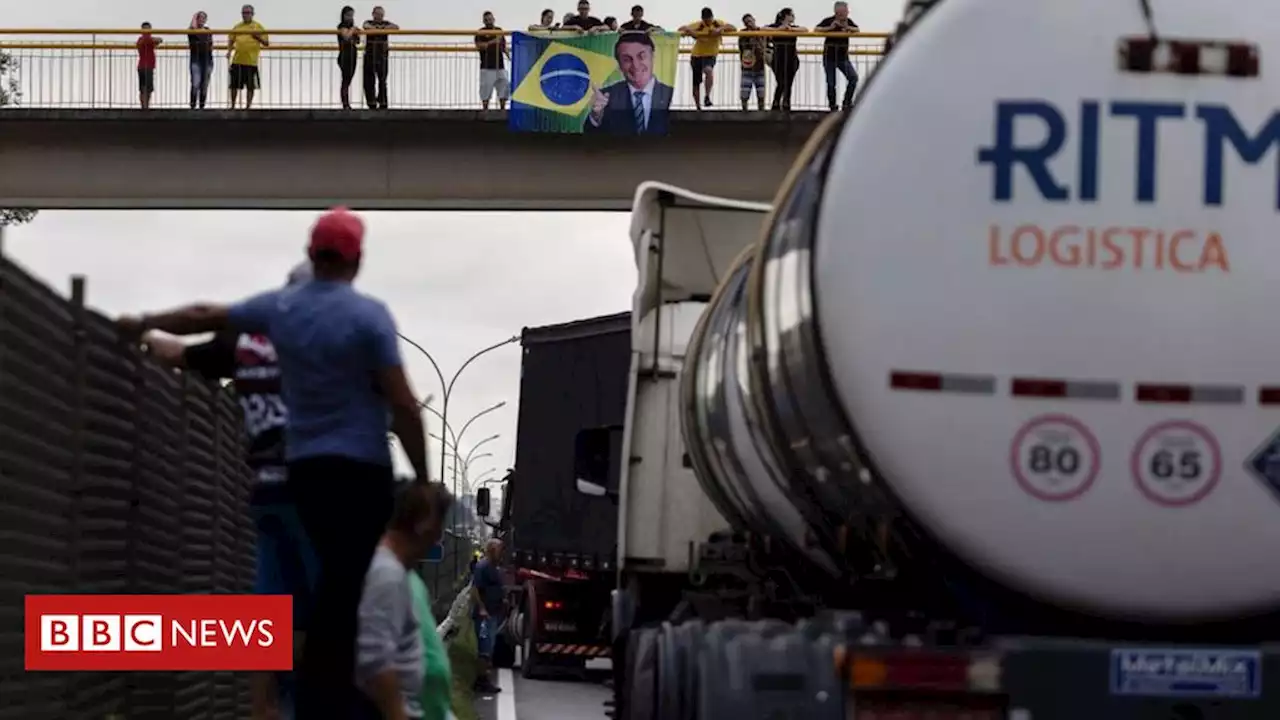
(399, 159)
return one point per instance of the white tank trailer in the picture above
(983, 414)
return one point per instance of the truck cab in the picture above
(684, 244)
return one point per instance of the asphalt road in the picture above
(522, 699)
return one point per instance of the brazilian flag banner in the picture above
(605, 84)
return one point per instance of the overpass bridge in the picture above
(77, 140)
(405, 160)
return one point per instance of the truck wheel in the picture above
(529, 663)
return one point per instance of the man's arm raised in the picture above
(189, 320)
(250, 315)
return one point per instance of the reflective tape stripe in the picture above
(1076, 389)
(1142, 54)
(941, 382)
(1187, 394)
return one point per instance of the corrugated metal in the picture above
(117, 477)
(573, 376)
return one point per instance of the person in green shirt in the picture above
(437, 683)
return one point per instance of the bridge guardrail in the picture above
(117, 477)
(429, 69)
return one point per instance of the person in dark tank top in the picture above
(348, 52)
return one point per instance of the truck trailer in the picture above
(561, 545)
(979, 418)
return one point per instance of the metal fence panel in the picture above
(118, 476)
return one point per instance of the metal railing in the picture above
(429, 69)
(117, 477)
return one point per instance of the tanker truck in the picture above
(979, 418)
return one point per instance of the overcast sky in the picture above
(456, 282)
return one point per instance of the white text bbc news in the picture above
(144, 633)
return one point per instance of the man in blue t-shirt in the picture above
(487, 592)
(342, 377)
(286, 562)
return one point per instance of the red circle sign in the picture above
(1176, 463)
(1055, 458)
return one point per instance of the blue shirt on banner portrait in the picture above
(611, 83)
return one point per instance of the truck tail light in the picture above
(924, 670)
(552, 605)
(924, 685)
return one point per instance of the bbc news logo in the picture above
(159, 632)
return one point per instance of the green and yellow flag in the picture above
(556, 77)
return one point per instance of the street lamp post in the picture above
(448, 386)
(466, 468)
(444, 403)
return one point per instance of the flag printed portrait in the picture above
(606, 84)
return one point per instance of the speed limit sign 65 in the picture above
(1176, 463)
(1054, 458)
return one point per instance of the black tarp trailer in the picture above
(561, 544)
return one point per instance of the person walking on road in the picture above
(343, 383)
(286, 563)
(487, 597)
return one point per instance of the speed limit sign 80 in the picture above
(1054, 458)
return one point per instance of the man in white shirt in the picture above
(389, 654)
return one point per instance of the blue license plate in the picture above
(1186, 673)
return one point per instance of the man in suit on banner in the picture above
(639, 104)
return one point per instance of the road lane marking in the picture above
(506, 699)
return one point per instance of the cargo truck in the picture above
(979, 419)
(561, 545)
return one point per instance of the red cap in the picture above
(339, 231)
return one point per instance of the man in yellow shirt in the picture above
(244, 45)
(708, 33)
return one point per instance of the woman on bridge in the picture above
(201, 45)
(348, 52)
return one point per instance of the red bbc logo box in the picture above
(159, 632)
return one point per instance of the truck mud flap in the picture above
(678, 647)
(587, 651)
(640, 700)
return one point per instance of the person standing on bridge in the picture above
(343, 382)
(835, 54)
(287, 564)
(201, 47)
(785, 61)
(493, 71)
(377, 58)
(708, 33)
(348, 52)
(244, 48)
(147, 65)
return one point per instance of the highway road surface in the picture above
(522, 699)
